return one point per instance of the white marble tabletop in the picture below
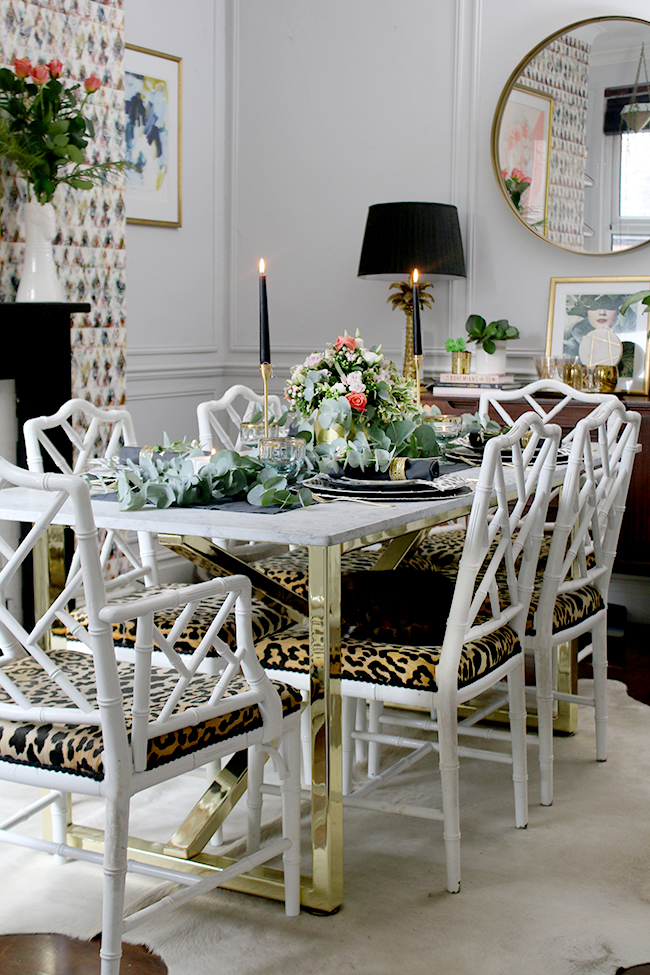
(320, 524)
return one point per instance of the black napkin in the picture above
(423, 468)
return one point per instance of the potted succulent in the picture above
(490, 343)
(460, 358)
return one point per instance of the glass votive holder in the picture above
(251, 433)
(546, 366)
(286, 454)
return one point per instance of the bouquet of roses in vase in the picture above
(44, 134)
(358, 407)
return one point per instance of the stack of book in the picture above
(470, 384)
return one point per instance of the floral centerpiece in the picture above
(43, 129)
(360, 408)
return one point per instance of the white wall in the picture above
(174, 275)
(351, 102)
(297, 116)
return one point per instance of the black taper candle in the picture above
(417, 332)
(265, 342)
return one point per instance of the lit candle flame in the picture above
(416, 275)
(262, 265)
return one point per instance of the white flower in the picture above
(314, 359)
(356, 383)
(384, 375)
(371, 357)
(338, 388)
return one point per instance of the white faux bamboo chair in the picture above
(93, 433)
(98, 433)
(238, 403)
(571, 597)
(85, 723)
(482, 645)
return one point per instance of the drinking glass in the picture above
(446, 427)
(250, 433)
(286, 454)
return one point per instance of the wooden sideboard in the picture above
(633, 555)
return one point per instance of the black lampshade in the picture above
(402, 236)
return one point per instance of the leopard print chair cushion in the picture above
(390, 664)
(79, 749)
(267, 618)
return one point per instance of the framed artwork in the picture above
(524, 147)
(152, 105)
(579, 306)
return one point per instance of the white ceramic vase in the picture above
(491, 364)
(39, 280)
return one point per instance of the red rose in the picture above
(22, 67)
(358, 401)
(92, 83)
(56, 69)
(40, 74)
(346, 341)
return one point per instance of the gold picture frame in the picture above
(523, 144)
(153, 115)
(573, 310)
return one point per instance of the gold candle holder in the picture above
(418, 366)
(266, 369)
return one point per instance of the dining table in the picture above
(327, 529)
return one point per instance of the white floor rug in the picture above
(570, 895)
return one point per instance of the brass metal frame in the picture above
(498, 117)
(179, 62)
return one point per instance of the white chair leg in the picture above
(212, 769)
(448, 742)
(254, 797)
(305, 741)
(544, 682)
(517, 712)
(360, 724)
(59, 814)
(348, 714)
(291, 821)
(115, 843)
(375, 709)
(599, 664)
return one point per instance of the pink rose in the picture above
(346, 341)
(40, 74)
(358, 401)
(517, 174)
(22, 67)
(56, 69)
(92, 83)
(504, 173)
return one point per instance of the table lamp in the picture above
(402, 236)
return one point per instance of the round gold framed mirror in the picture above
(571, 137)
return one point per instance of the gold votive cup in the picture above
(461, 363)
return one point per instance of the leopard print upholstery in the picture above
(570, 608)
(292, 569)
(390, 664)
(79, 749)
(267, 618)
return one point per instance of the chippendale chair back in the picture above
(87, 723)
(93, 433)
(238, 403)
